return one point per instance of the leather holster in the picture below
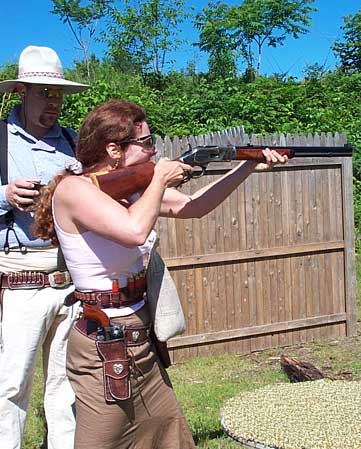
(116, 373)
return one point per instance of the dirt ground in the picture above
(337, 359)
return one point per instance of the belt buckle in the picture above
(54, 284)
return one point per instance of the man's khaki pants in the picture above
(35, 320)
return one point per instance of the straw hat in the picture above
(41, 65)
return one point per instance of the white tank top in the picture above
(94, 261)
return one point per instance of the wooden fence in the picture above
(273, 265)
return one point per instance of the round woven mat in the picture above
(320, 414)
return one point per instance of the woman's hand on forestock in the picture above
(272, 158)
(173, 173)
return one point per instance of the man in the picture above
(33, 316)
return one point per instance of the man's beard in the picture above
(48, 120)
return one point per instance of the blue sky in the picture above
(29, 22)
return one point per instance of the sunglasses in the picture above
(47, 92)
(147, 142)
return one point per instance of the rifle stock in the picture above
(121, 183)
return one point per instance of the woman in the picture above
(103, 242)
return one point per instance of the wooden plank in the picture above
(307, 236)
(314, 293)
(249, 268)
(333, 259)
(258, 222)
(239, 271)
(340, 265)
(203, 291)
(255, 254)
(184, 248)
(234, 270)
(272, 219)
(279, 265)
(178, 342)
(292, 227)
(264, 219)
(199, 247)
(286, 200)
(225, 293)
(350, 270)
(299, 262)
(321, 227)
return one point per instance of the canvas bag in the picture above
(164, 303)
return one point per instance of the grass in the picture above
(35, 423)
(203, 384)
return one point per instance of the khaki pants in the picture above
(150, 419)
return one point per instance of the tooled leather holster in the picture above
(116, 374)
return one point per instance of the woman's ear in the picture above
(114, 153)
(113, 150)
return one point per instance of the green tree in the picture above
(250, 26)
(144, 32)
(348, 50)
(7, 100)
(82, 21)
(215, 39)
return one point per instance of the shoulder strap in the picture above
(4, 152)
(9, 216)
(69, 138)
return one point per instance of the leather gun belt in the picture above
(107, 299)
(35, 279)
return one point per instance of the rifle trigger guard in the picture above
(192, 175)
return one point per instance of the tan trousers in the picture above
(151, 419)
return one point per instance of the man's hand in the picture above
(20, 193)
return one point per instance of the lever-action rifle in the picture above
(121, 183)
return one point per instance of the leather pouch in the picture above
(162, 350)
(116, 374)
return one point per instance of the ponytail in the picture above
(43, 226)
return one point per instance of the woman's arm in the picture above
(80, 206)
(178, 205)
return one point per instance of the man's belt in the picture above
(35, 279)
(107, 299)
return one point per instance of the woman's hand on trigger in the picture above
(172, 173)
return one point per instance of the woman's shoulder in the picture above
(73, 185)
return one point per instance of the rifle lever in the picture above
(195, 176)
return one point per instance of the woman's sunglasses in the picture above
(147, 142)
